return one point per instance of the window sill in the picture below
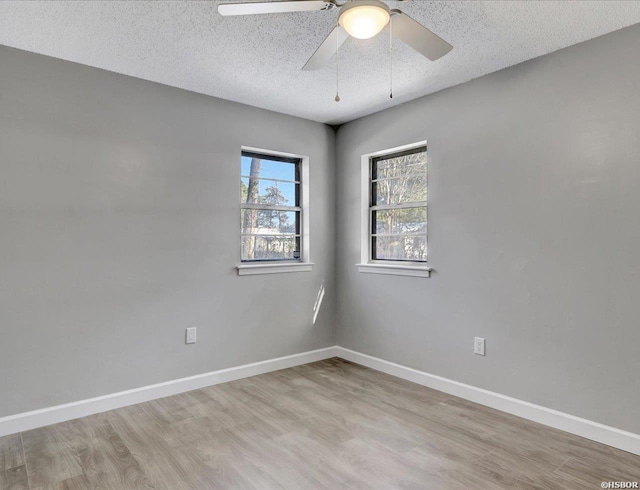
(271, 268)
(396, 269)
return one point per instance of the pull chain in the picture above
(391, 58)
(337, 99)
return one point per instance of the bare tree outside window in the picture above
(398, 207)
(250, 216)
(271, 212)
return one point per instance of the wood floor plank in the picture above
(48, 457)
(326, 425)
(11, 453)
(593, 473)
(105, 460)
(172, 463)
(75, 483)
(14, 479)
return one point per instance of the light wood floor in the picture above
(331, 425)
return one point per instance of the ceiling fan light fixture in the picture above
(364, 19)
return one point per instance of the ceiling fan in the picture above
(362, 19)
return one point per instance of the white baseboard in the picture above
(620, 439)
(595, 431)
(69, 411)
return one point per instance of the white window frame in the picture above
(304, 264)
(367, 265)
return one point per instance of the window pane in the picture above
(400, 221)
(266, 247)
(268, 169)
(269, 222)
(400, 190)
(269, 192)
(400, 247)
(414, 164)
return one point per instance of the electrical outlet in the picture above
(191, 336)
(478, 346)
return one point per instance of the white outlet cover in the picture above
(479, 346)
(190, 336)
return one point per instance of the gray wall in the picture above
(534, 233)
(119, 227)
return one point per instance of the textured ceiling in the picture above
(257, 59)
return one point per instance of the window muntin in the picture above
(398, 206)
(271, 213)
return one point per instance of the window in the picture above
(271, 211)
(274, 210)
(395, 211)
(399, 206)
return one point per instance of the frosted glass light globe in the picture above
(363, 20)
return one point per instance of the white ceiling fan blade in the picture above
(327, 49)
(273, 7)
(418, 36)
